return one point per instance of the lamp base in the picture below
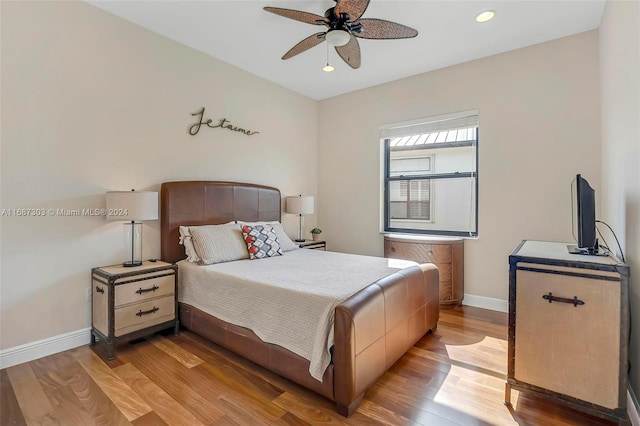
(133, 244)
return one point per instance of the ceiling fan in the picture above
(344, 26)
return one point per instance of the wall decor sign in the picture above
(222, 124)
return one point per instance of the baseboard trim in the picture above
(486, 302)
(633, 408)
(41, 348)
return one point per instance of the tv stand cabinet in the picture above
(569, 328)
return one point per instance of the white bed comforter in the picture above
(286, 300)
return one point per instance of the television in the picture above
(583, 206)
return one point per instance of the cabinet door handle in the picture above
(150, 311)
(551, 298)
(99, 289)
(141, 290)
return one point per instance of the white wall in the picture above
(620, 195)
(539, 126)
(92, 103)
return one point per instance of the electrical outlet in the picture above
(88, 299)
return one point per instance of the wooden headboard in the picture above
(190, 203)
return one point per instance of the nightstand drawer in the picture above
(138, 291)
(143, 315)
(314, 245)
(421, 252)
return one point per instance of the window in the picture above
(430, 176)
(410, 199)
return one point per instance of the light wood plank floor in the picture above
(452, 377)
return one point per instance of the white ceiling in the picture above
(241, 33)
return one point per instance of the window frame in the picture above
(387, 179)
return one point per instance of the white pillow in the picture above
(285, 242)
(186, 241)
(218, 243)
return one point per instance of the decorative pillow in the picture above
(262, 241)
(218, 243)
(186, 241)
(285, 242)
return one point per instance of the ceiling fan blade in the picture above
(350, 52)
(381, 29)
(305, 44)
(355, 8)
(298, 15)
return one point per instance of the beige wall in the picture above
(539, 126)
(620, 94)
(92, 103)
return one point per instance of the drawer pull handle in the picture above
(150, 311)
(141, 290)
(99, 290)
(551, 298)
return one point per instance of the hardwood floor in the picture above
(454, 376)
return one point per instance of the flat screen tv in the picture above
(583, 206)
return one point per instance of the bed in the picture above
(372, 329)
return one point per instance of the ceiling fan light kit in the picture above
(344, 26)
(338, 37)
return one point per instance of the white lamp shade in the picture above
(300, 205)
(132, 205)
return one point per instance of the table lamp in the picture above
(133, 207)
(300, 205)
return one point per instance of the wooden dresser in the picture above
(447, 254)
(568, 327)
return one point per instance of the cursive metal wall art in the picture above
(222, 124)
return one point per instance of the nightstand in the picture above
(129, 303)
(315, 245)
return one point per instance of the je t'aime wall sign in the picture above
(222, 124)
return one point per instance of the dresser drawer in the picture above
(145, 314)
(139, 291)
(421, 253)
(446, 254)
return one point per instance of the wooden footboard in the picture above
(373, 329)
(376, 326)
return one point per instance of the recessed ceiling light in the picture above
(485, 16)
(328, 68)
